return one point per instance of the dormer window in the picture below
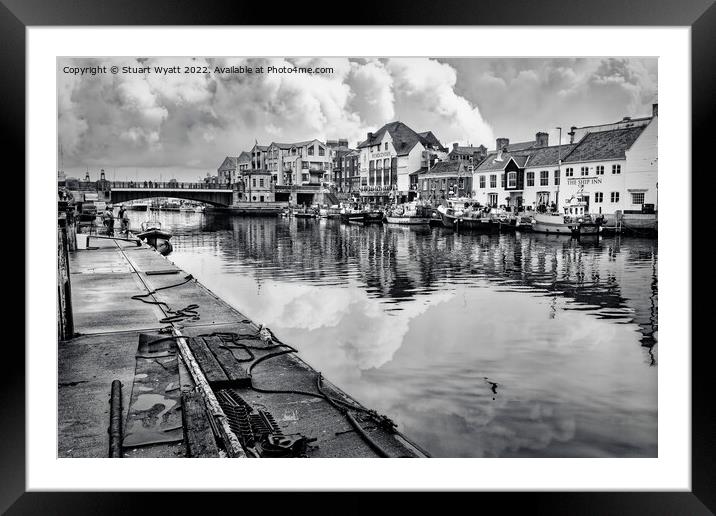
(386, 145)
(512, 180)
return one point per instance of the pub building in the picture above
(611, 167)
(390, 159)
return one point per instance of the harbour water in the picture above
(520, 345)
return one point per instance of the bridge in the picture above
(216, 195)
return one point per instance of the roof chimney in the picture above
(370, 136)
(501, 146)
(571, 133)
(655, 110)
(455, 145)
(541, 139)
(626, 119)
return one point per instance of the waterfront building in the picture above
(300, 163)
(500, 178)
(451, 178)
(390, 160)
(350, 164)
(255, 186)
(612, 167)
(339, 178)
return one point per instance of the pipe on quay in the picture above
(115, 420)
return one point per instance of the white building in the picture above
(390, 160)
(611, 167)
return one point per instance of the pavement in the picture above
(104, 277)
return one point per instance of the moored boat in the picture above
(574, 221)
(155, 236)
(461, 215)
(411, 213)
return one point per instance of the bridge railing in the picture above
(172, 185)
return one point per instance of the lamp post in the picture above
(559, 167)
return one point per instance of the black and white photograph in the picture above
(313, 257)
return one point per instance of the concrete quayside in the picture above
(153, 364)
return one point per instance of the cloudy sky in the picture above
(150, 125)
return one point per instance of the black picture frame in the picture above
(700, 15)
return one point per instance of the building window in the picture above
(482, 181)
(616, 169)
(492, 199)
(386, 145)
(615, 197)
(600, 170)
(530, 178)
(310, 150)
(261, 182)
(253, 182)
(556, 178)
(493, 180)
(503, 180)
(321, 151)
(584, 171)
(461, 182)
(569, 172)
(637, 198)
(598, 197)
(544, 178)
(512, 180)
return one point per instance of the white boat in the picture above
(139, 206)
(199, 209)
(574, 221)
(412, 213)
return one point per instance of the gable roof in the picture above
(404, 138)
(444, 168)
(490, 163)
(604, 145)
(229, 163)
(244, 157)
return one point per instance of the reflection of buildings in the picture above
(613, 279)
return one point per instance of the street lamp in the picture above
(559, 167)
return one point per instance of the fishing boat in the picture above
(574, 221)
(155, 236)
(353, 213)
(460, 214)
(411, 213)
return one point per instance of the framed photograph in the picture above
(436, 240)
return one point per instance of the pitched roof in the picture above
(290, 145)
(404, 138)
(244, 157)
(468, 150)
(604, 145)
(491, 164)
(228, 163)
(444, 168)
(548, 156)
